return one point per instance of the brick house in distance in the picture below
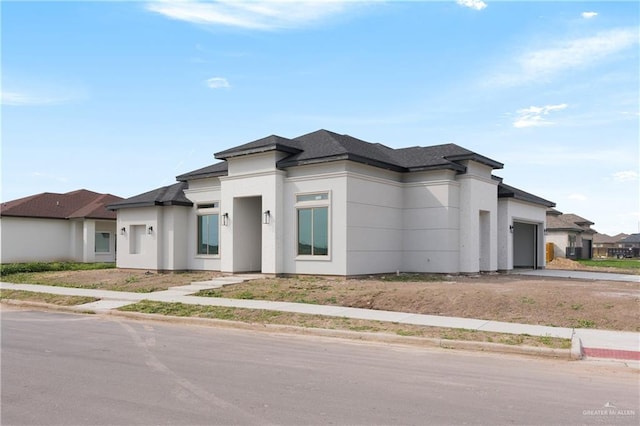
(603, 244)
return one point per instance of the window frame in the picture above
(95, 241)
(202, 212)
(310, 204)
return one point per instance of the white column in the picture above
(89, 241)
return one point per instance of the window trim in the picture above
(311, 204)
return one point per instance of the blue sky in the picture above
(121, 97)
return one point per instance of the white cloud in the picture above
(578, 197)
(25, 99)
(217, 83)
(535, 116)
(589, 15)
(625, 176)
(256, 15)
(472, 4)
(544, 63)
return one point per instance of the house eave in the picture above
(540, 202)
(578, 231)
(149, 204)
(187, 177)
(477, 158)
(223, 155)
(450, 166)
(342, 157)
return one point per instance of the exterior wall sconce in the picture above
(511, 228)
(150, 230)
(123, 231)
(225, 219)
(266, 217)
(546, 231)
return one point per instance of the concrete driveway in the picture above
(581, 275)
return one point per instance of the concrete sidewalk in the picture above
(585, 342)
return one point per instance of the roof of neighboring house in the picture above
(71, 205)
(557, 221)
(506, 191)
(608, 239)
(172, 195)
(577, 219)
(324, 146)
(633, 238)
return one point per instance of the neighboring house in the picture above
(604, 245)
(571, 235)
(331, 204)
(75, 226)
(632, 244)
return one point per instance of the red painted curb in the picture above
(611, 353)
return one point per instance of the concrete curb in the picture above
(47, 306)
(353, 335)
(577, 352)
(466, 345)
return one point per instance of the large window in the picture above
(103, 242)
(313, 224)
(208, 239)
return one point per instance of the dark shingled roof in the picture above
(71, 205)
(172, 195)
(631, 239)
(506, 191)
(323, 146)
(270, 143)
(215, 170)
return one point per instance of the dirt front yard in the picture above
(502, 297)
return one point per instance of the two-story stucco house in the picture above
(325, 203)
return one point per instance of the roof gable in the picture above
(172, 195)
(214, 170)
(323, 146)
(270, 143)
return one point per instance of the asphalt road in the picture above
(67, 369)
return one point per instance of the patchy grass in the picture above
(18, 268)
(337, 323)
(633, 264)
(500, 297)
(112, 279)
(405, 277)
(54, 299)
(509, 298)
